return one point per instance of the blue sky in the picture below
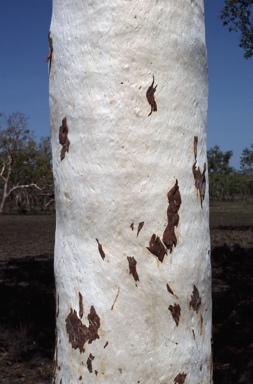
(24, 25)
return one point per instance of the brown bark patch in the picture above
(169, 289)
(132, 226)
(174, 198)
(150, 95)
(132, 267)
(106, 344)
(80, 305)
(176, 312)
(180, 378)
(63, 137)
(100, 249)
(195, 302)
(156, 247)
(89, 362)
(79, 333)
(140, 227)
(200, 181)
(195, 146)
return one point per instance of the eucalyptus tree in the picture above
(128, 105)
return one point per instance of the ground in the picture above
(28, 303)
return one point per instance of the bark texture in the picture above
(128, 97)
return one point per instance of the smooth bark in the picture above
(128, 186)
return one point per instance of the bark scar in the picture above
(199, 177)
(180, 378)
(89, 362)
(116, 298)
(79, 333)
(174, 198)
(80, 305)
(195, 302)
(63, 137)
(150, 94)
(132, 267)
(175, 312)
(140, 227)
(50, 52)
(156, 247)
(100, 249)
(200, 181)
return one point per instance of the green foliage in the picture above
(225, 183)
(246, 163)
(237, 14)
(218, 161)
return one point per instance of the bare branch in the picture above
(23, 186)
(1, 174)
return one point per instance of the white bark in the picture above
(118, 169)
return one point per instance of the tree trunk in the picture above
(132, 250)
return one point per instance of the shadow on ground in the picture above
(28, 313)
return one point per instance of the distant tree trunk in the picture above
(132, 249)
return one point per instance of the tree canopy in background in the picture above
(237, 15)
(226, 183)
(246, 163)
(25, 164)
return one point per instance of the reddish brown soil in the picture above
(28, 306)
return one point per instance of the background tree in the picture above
(218, 161)
(246, 168)
(219, 172)
(237, 14)
(24, 162)
(246, 161)
(226, 183)
(128, 98)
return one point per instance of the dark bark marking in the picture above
(201, 324)
(176, 312)
(89, 362)
(156, 247)
(180, 378)
(140, 227)
(80, 305)
(63, 138)
(58, 306)
(50, 52)
(106, 344)
(200, 181)
(174, 198)
(195, 302)
(100, 249)
(115, 299)
(199, 177)
(80, 378)
(169, 289)
(132, 267)
(150, 94)
(195, 146)
(96, 372)
(132, 226)
(79, 333)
